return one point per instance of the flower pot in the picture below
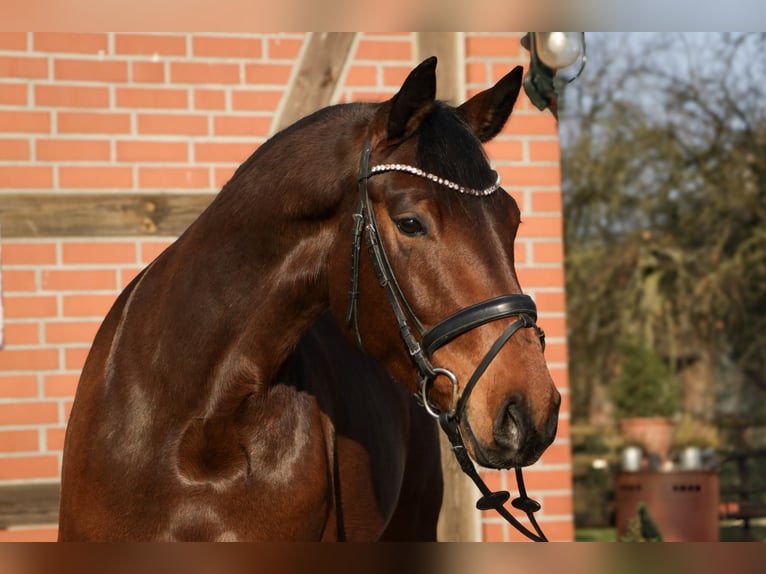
(690, 458)
(631, 458)
(654, 433)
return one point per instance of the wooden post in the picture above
(1, 289)
(459, 519)
(319, 70)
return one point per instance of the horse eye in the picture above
(410, 226)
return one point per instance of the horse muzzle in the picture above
(517, 442)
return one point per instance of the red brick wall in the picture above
(178, 112)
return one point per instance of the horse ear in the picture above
(413, 101)
(487, 111)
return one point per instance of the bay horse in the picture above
(256, 380)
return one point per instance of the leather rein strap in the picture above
(439, 335)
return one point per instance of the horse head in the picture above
(446, 230)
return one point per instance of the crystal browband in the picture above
(435, 178)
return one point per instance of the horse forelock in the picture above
(448, 148)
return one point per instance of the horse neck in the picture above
(263, 245)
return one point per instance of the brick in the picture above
(147, 72)
(551, 302)
(19, 441)
(173, 177)
(54, 438)
(204, 73)
(78, 279)
(70, 149)
(227, 47)
(548, 252)
(26, 467)
(493, 46)
(544, 150)
(14, 149)
(18, 386)
(530, 176)
(520, 252)
(395, 75)
(19, 280)
(384, 50)
(13, 41)
(90, 70)
(256, 126)
(557, 504)
(557, 453)
(13, 95)
(222, 174)
(29, 254)
(74, 359)
(538, 480)
(108, 253)
(362, 76)
(22, 334)
(28, 176)
(554, 530)
(284, 48)
(164, 45)
(476, 73)
(150, 250)
(136, 150)
(152, 98)
(541, 226)
(71, 332)
(546, 201)
(532, 124)
(25, 122)
(64, 42)
(95, 306)
(71, 96)
(23, 67)
(531, 277)
(555, 352)
(209, 99)
(95, 177)
(56, 386)
(31, 534)
(268, 74)
(493, 532)
(127, 274)
(222, 152)
(504, 150)
(93, 122)
(167, 124)
(27, 360)
(264, 100)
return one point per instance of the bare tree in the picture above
(664, 164)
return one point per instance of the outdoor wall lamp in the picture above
(550, 53)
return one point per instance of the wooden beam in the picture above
(459, 519)
(318, 75)
(99, 215)
(449, 50)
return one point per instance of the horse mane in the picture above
(319, 117)
(449, 148)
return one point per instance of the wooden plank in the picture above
(459, 519)
(317, 77)
(2, 331)
(29, 504)
(448, 48)
(102, 215)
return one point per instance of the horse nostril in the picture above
(509, 426)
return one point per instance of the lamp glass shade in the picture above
(558, 50)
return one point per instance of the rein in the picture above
(439, 335)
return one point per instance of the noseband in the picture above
(521, 306)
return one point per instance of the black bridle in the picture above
(439, 335)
